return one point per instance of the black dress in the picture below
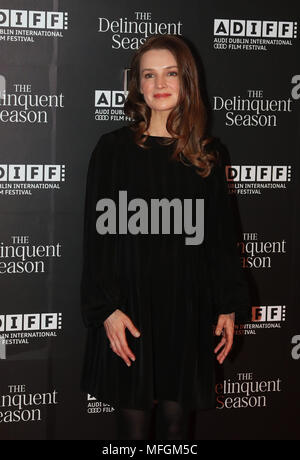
(172, 291)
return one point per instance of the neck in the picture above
(158, 123)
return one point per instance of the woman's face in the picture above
(159, 80)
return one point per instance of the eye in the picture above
(147, 74)
(174, 73)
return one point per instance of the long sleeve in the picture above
(229, 286)
(102, 290)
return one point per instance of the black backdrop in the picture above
(61, 87)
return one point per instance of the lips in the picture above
(159, 95)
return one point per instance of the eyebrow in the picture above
(169, 67)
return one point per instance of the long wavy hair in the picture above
(187, 122)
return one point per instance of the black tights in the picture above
(172, 422)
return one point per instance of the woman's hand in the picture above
(115, 326)
(225, 327)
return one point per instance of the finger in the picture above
(117, 347)
(114, 349)
(222, 356)
(220, 327)
(122, 354)
(131, 327)
(111, 339)
(220, 345)
(228, 345)
(125, 347)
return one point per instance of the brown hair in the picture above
(187, 122)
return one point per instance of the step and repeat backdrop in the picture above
(63, 84)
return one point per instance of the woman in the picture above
(168, 293)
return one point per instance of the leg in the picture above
(172, 421)
(133, 424)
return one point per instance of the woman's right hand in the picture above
(115, 326)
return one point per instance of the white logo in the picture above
(31, 322)
(23, 106)
(252, 111)
(17, 405)
(258, 173)
(263, 317)
(108, 98)
(20, 256)
(20, 329)
(96, 407)
(254, 179)
(26, 25)
(127, 34)
(32, 173)
(21, 179)
(109, 105)
(34, 19)
(245, 392)
(268, 313)
(251, 28)
(252, 35)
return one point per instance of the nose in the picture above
(160, 81)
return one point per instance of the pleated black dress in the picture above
(172, 291)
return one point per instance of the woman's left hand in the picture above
(225, 327)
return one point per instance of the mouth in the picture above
(159, 95)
